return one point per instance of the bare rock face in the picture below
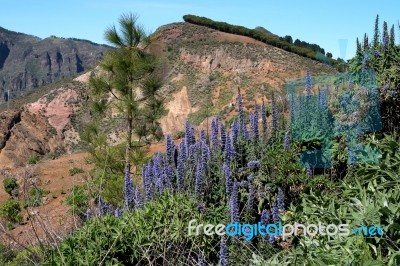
(27, 62)
(178, 110)
(41, 127)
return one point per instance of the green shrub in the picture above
(35, 196)
(75, 170)
(10, 210)
(157, 232)
(33, 159)
(6, 254)
(78, 200)
(10, 184)
(25, 257)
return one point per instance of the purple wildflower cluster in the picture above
(186, 166)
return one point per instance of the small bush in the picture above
(35, 197)
(10, 210)
(74, 170)
(26, 258)
(10, 184)
(33, 159)
(78, 200)
(6, 254)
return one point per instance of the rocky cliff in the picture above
(47, 126)
(27, 62)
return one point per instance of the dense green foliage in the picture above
(26, 257)
(78, 200)
(10, 184)
(154, 235)
(301, 48)
(10, 210)
(33, 159)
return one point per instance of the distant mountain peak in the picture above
(28, 62)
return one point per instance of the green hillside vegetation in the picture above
(301, 48)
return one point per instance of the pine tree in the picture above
(392, 37)
(358, 46)
(123, 70)
(376, 33)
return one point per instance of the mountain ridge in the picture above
(28, 62)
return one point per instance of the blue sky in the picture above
(331, 24)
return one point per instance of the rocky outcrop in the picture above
(42, 127)
(27, 62)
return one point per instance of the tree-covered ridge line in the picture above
(286, 43)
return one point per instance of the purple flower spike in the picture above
(188, 134)
(199, 177)
(240, 108)
(88, 214)
(308, 84)
(228, 150)
(103, 206)
(246, 135)
(160, 184)
(202, 135)
(117, 212)
(176, 153)
(180, 171)
(234, 203)
(183, 150)
(169, 148)
(250, 199)
(275, 213)
(129, 192)
(228, 179)
(223, 136)
(214, 133)
(146, 178)
(235, 131)
(223, 253)
(264, 118)
(280, 200)
(254, 126)
(200, 259)
(138, 197)
(265, 217)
